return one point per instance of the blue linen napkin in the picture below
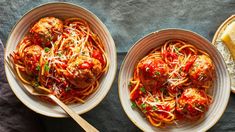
(14, 116)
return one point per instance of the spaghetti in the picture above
(171, 83)
(64, 58)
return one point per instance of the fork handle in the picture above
(83, 123)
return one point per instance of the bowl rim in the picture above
(62, 115)
(155, 32)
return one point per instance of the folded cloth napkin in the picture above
(14, 116)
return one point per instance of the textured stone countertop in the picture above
(127, 22)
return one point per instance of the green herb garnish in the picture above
(177, 49)
(50, 38)
(144, 111)
(154, 108)
(38, 68)
(157, 73)
(143, 105)
(46, 49)
(46, 67)
(76, 64)
(133, 105)
(142, 89)
(156, 99)
(59, 54)
(35, 84)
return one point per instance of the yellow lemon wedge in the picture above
(228, 37)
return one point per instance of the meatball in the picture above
(46, 30)
(153, 73)
(193, 103)
(31, 58)
(84, 71)
(201, 72)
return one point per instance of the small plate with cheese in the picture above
(224, 40)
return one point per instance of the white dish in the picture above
(220, 92)
(229, 60)
(62, 10)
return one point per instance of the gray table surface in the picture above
(127, 21)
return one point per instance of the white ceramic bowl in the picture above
(62, 10)
(220, 92)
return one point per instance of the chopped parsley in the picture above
(144, 111)
(50, 38)
(76, 64)
(46, 49)
(177, 49)
(154, 108)
(133, 105)
(38, 68)
(35, 84)
(156, 99)
(157, 73)
(143, 105)
(46, 67)
(59, 54)
(142, 89)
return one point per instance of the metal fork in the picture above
(82, 122)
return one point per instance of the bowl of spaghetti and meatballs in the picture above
(174, 80)
(63, 49)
